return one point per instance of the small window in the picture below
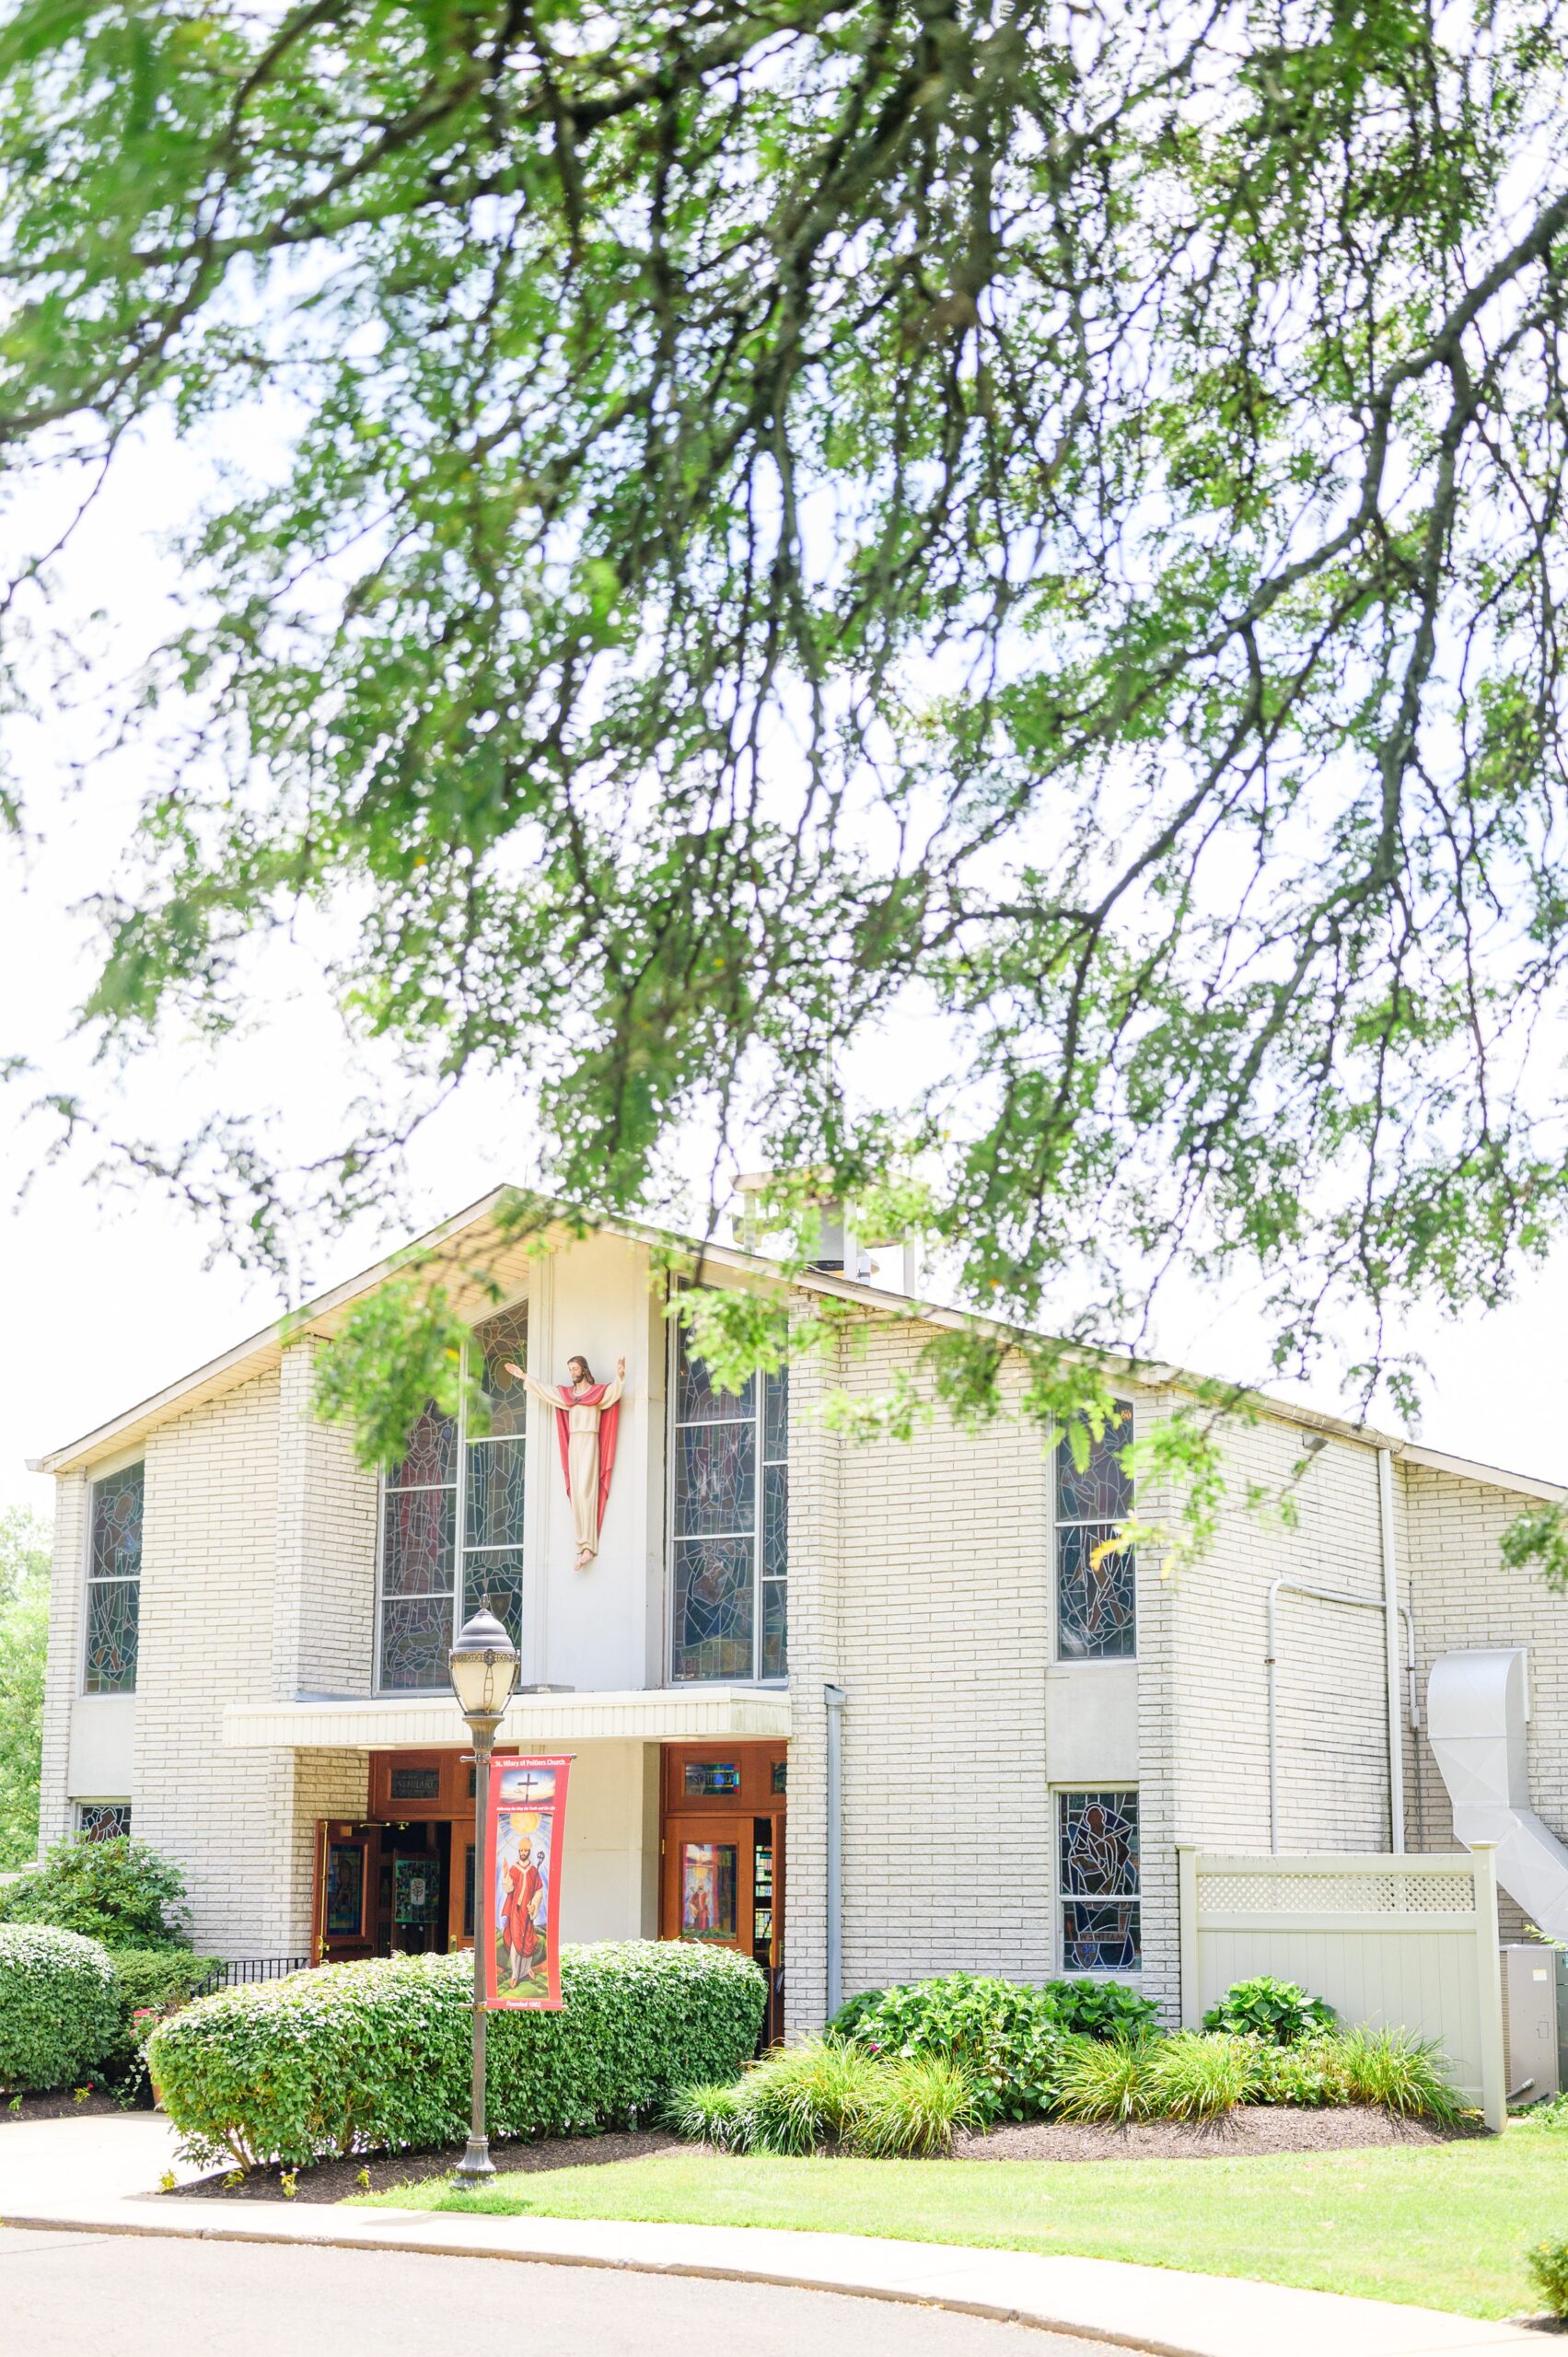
(703, 1776)
(416, 1783)
(1098, 1881)
(1096, 1591)
(103, 1820)
(114, 1583)
(781, 1775)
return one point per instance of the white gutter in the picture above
(834, 1699)
(1392, 1632)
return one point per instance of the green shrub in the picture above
(853, 2011)
(376, 2056)
(1004, 2036)
(120, 1892)
(1103, 2009)
(1194, 2077)
(1399, 2073)
(1310, 2074)
(160, 1979)
(60, 2010)
(1548, 2265)
(1106, 2079)
(1278, 2010)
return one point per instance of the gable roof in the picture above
(322, 1317)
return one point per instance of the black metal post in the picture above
(476, 2166)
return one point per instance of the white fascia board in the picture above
(427, 1722)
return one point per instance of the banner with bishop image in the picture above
(527, 1818)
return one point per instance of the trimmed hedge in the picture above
(159, 1977)
(377, 2056)
(61, 2007)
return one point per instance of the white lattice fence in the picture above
(1405, 1942)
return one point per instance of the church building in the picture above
(865, 1711)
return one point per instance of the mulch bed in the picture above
(339, 2180)
(1250, 2129)
(61, 2104)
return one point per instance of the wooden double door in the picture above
(398, 1882)
(723, 1866)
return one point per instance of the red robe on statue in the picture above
(608, 1425)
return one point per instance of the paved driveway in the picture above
(127, 2296)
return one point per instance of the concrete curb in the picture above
(1154, 2310)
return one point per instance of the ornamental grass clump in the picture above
(1399, 2073)
(831, 2095)
(376, 2056)
(1194, 2077)
(61, 2008)
(1108, 2082)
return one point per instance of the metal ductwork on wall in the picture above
(1477, 1719)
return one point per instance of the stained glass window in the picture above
(1097, 1843)
(730, 1529)
(457, 1499)
(114, 1583)
(103, 1820)
(1095, 1592)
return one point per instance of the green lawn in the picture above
(1440, 2225)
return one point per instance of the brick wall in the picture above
(1333, 1758)
(926, 1597)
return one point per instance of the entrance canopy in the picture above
(654, 1714)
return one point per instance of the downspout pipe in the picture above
(834, 1699)
(1391, 1639)
(1285, 1586)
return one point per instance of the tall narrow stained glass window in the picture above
(1096, 1600)
(114, 1583)
(455, 1500)
(1097, 1853)
(729, 1532)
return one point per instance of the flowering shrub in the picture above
(60, 2010)
(376, 2056)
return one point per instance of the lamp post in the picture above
(484, 1670)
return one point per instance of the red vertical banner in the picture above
(528, 1821)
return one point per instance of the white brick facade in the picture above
(922, 1581)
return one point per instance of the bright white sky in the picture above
(106, 1295)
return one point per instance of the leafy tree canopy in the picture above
(744, 524)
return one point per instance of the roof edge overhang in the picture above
(432, 1721)
(319, 1317)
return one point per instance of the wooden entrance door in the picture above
(723, 1842)
(348, 1873)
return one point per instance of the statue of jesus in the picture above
(588, 1416)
